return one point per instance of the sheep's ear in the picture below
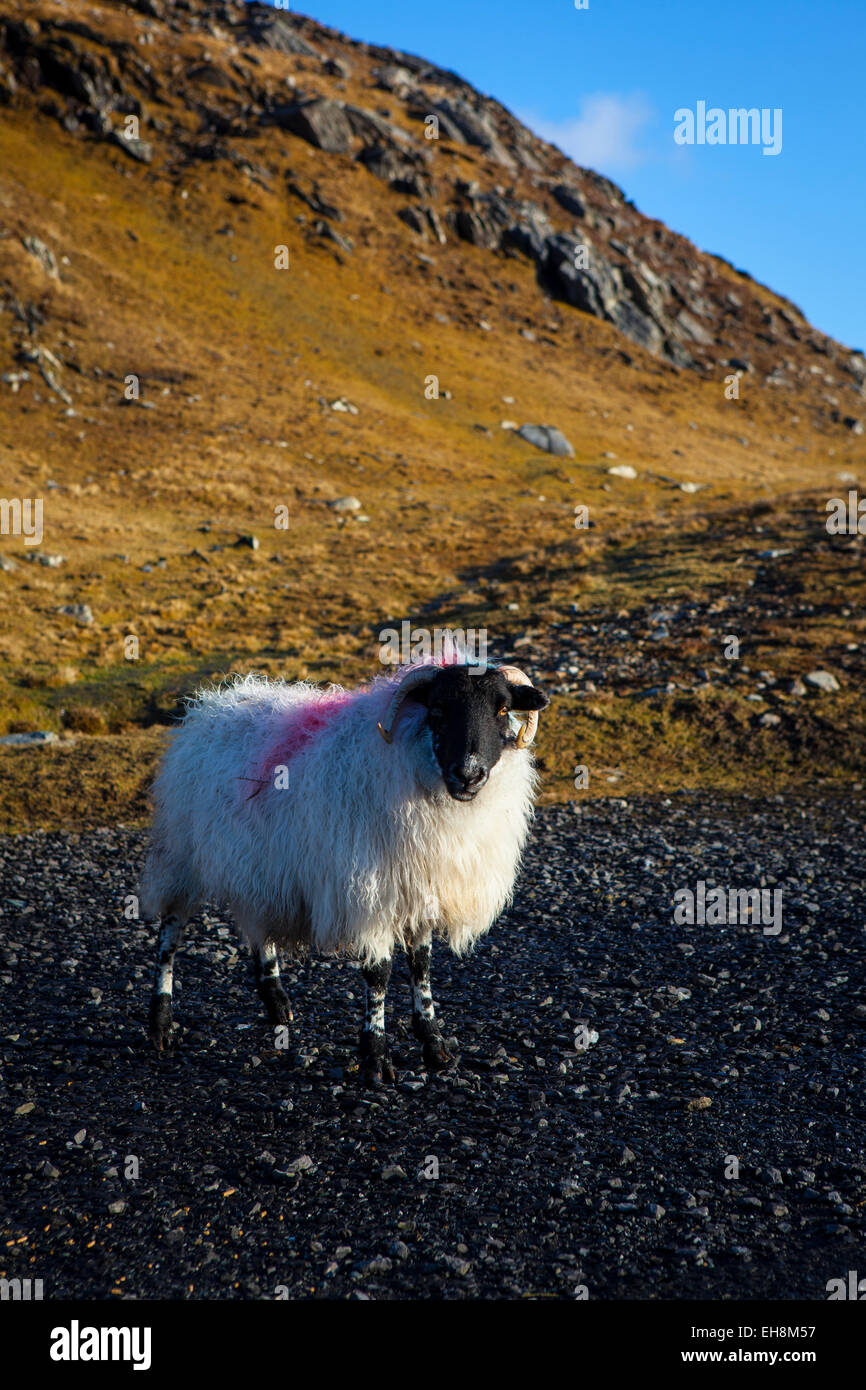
(420, 695)
(527, 697)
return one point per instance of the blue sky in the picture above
(604, 84)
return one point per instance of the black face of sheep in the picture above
(467, 711)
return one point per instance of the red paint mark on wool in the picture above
(301, 726)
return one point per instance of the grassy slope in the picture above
(450, 506)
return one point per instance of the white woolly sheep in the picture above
(347, 821)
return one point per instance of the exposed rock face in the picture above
(400, 169)
(57, 62)
(633, 298)
(370, 127)
(529, 232)
(393, 78)
(594, 286)
(471, 227)
(463, 123)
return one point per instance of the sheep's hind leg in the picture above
(269, 985)
(425, 1024)
(159, 1019)
(376, 1064)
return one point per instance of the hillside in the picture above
(238, 283)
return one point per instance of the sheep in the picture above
(345, 821)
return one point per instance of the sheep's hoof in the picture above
(436, 1055)
(376, 1065)
(377, 1071)
(159, 1022)
(276, 1002)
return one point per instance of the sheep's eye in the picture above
(500, 712)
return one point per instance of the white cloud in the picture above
(606, 135)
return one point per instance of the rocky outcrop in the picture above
(633, 298)
(321, 122)
(403, 169)
(375, 129)
(274, 29)
(466, 125)
(425, 221)
(569, 199)
(497, 186)
(139, 150)
(583, 277)
(91, 81)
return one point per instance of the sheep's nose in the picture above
(466, 777)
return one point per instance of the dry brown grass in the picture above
(236, 357)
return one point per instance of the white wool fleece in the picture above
(361, 850)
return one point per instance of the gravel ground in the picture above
(263, 1171)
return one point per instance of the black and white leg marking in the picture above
(425, 1024)
(269, 985)
(376, 1065)
(159, 1021)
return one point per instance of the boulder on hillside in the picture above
(386, 163)
(568, 198)
(136, 149)
(209, 75)
(42, 253)
(393, 78)
(319, 121)
(8, 86)
(32, 740)
(336, 67)
(822, 680)
(548, 438)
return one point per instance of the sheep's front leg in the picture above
(159, 1020)
(376, 1065)
(425, 1024)
(269, 985)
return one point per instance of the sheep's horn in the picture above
(420, 675)
(515, 676)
